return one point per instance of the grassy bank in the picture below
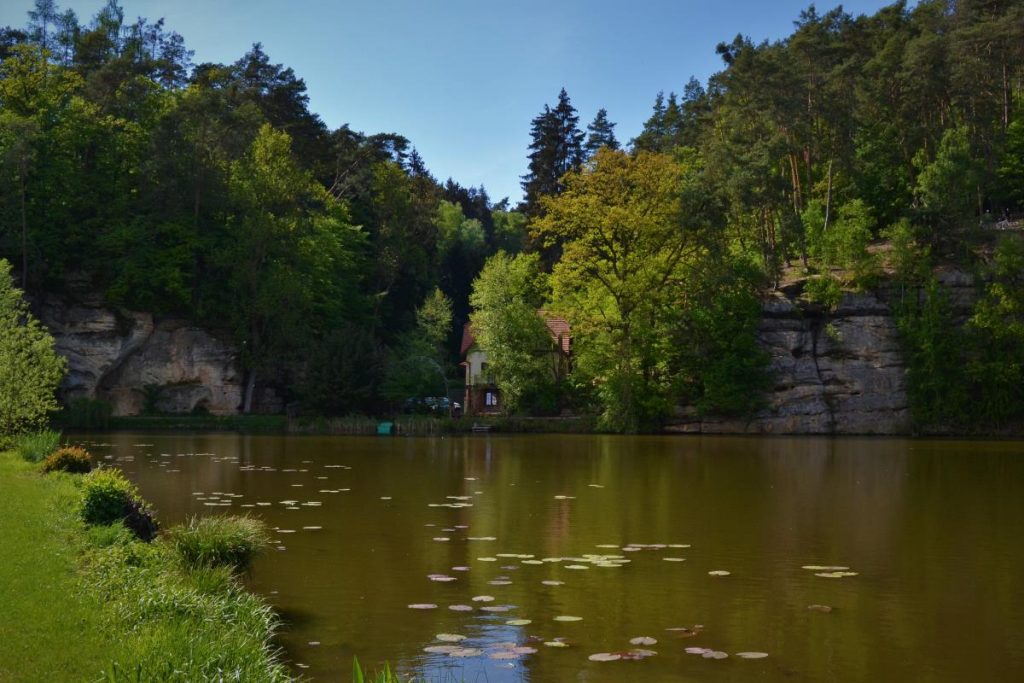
(94, 603)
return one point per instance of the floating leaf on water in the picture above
(715, 654)
(466, 652)
(565, 497)
(568, 618)
(556, 643)
(518, 622)
(674, 559)
(595, 486)
(286, 531)
(751, 655)
(835, 575)
(422, 605)
(604, 657)
(441, 538)
(679, 545)
(441, 578)
(497, 608)
(637, 654)
(606, 545)
(823, 568)
(820, 608)
(576, 566)
(460, 608)
(499, 582)
(460, 569)
(608, 564)
(487, 559)
(718, 572)
(643, 640)
(483, 598)
(532, 562)
(385, 497)
(697, 650)
(553, 582)
(524, 650)
(312, 528)
(450, 637)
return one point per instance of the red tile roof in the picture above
(557, 326)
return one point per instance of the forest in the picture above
(859, 152)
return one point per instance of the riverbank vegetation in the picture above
(859, 152)
(134, 611)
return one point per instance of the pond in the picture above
(463, 559)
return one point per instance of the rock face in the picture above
(121, 356)
(840, 373)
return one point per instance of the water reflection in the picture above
(932, 529)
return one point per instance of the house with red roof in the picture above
(482, 394)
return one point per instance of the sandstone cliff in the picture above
(839, 372)
(115, 354)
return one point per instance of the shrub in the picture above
(36, 447)
(110, 498)
(68, 459)
(219, 541)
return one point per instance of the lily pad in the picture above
(820, 608)
(568, 618)
(466, 652)
(719, 572)
(556, 643)
(460, 608)
(423, 605)
(604, 657)
(504, 654)
(674, 559)
(441, 649)
(643, 640)
(518, 622)
(483, 598)
(497, 608)
(715, 654)
(697, 650)
(751, 655)
(823, 568)
(553, 582)
(450, 637)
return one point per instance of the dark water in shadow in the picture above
(933, 529)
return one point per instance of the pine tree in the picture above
(601, 133)
(556, 149)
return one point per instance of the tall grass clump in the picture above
(37, 446)
(183, 625)
(108, 497)
(219, 541)
(68, 459)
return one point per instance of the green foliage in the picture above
(87, 414)
(37, 446)
(417, 367)
(947, 185)
(29, 368)
(219, 541)
(933, 348)
(627, 226)
(109, 498)
(68, 459)
(843, 242)
(508, 326)
(725, 367)
(1011, 165)
(826, 291)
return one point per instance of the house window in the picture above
(490, 399)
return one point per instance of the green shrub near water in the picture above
(36, 447)
(219, 541)
(108, 498)
(68, 459)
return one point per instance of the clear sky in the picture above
(463, 78)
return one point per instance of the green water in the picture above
(933, 530)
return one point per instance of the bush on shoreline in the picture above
(108, 498)
(70, 459)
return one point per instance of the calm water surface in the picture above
(934, 530)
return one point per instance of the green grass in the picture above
(50, 629)
(87, 604)
(218, 541)
(35, 447)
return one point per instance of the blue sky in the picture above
(463, 78)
